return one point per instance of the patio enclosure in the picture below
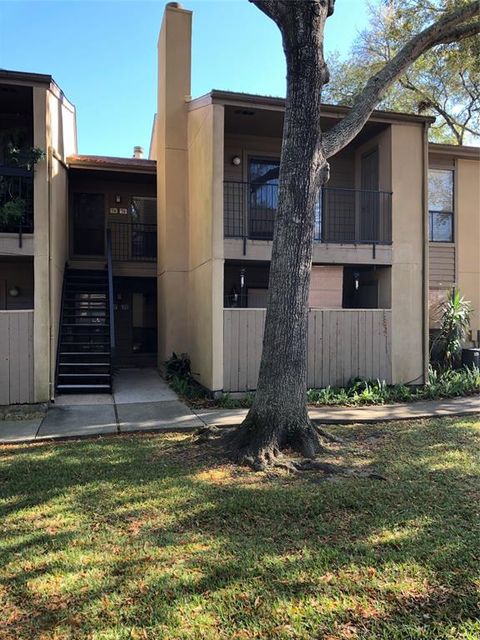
(342, 344)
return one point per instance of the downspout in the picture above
(426, 271)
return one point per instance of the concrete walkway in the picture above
(380, 413)
(142, 401)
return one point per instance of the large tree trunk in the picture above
(278, 417)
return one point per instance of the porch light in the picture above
(242, 278)
(14, 292)
(356, 277)
(236, 161)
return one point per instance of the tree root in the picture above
(327, 435)
(269, 457)
(298, 466)
(206, 433)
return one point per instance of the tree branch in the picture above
(448, 29)
(274, 9)
(460, 33)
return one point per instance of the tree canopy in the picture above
(444, 82)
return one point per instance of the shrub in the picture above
(448, 383)
(454, 325)
(179, 375)
(178, 366)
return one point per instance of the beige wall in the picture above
(205, 188)
(55, 133)
(41, 241)
(326, 287)
(468, 235)
(189, 152)
(174, 46)
(408, 304)
(458, 263)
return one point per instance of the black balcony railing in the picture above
(133, 241)
(16, 186)
(347, 216)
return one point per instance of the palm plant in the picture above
(454, 326)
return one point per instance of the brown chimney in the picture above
(138, 153)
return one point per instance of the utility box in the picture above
(471, 357)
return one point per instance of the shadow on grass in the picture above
(144, 531)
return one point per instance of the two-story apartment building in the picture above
(121, 262)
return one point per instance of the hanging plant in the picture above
(12, 212)
(25, 157)
(13, 206)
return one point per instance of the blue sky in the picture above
(103, 56)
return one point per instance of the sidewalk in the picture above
(141, 401)
(146, 403)
(379, 413)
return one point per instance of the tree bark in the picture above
(278, 417)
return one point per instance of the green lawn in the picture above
(152, 537)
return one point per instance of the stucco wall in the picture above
(55, 133)
(468, 235)
(205, 189)
(407, 167)
(41, 242)
(62, 142)
(174, 46)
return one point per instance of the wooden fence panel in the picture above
(16, 357)
(342, 344)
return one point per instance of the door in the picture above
(263, 184)
(89, 224)
(135, 312)
(369, 203)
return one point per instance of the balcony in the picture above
(342, 216)
(133, 241)
(16, 186)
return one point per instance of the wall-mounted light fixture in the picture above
(14, 292)
(118, 199)
(356, 278)
(236, 161)
(243, 272)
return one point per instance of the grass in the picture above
(153, 537)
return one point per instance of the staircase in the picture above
(84, 351)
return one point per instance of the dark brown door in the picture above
(369, 203)
(135, 311)
(89, 224)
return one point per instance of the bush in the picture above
(179, 375)
(448, 383)
(454, 325)
(178, 366)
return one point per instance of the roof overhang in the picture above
(107, 163)
(278, 104)
(22, 77)
(454, 151)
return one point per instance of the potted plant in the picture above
(19, 155)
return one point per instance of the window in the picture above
(440, 205)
